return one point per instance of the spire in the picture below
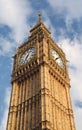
(39, 17)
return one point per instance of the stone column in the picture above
(14, 105)
(9, 121)
(70, 112)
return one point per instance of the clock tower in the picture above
(40, 97)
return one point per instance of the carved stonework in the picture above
(40, 98)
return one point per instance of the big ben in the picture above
(40, 97)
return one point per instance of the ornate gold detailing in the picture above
(40, 98)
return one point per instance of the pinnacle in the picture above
(39, 17)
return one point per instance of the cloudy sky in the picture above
(64, 18)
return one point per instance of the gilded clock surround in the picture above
(40, 98)
(27, 55)
(56, 57)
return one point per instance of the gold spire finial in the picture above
(39, 17)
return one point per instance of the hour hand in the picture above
(56, 58)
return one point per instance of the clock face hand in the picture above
(27, 55)
(60, 62)
(57, 57)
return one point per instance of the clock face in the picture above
(27, 55)
(57, 57)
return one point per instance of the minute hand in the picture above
(26, 56)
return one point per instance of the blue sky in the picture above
(64, 18)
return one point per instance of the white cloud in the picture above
(78, 117)
(71, 7)
(6, 100)
(12, 11)
(14, 14)
(6, 47)
(73, 50)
